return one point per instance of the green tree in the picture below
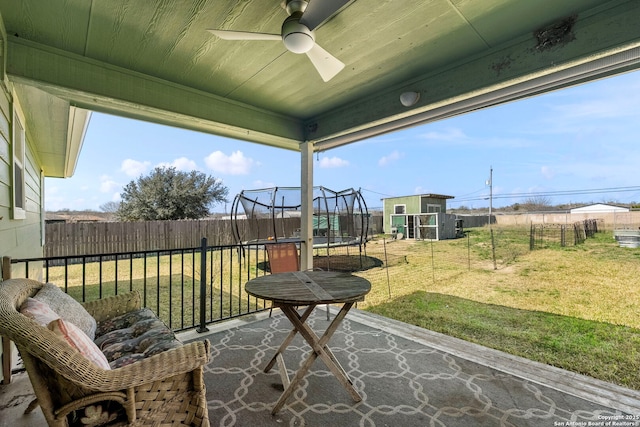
(168, 194)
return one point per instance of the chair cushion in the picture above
(134, 336)
(80, 341)
(67, 308)
(105, 413)
(124, 321)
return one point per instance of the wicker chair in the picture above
(164, 389)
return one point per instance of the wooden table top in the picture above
(309, 287)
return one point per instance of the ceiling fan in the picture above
(298, 33)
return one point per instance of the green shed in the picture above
(421, 216)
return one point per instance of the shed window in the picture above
(399, 209)
(18, 148)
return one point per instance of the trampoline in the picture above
(340, 218)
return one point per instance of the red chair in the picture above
(284, 258)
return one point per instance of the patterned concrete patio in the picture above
(406, 375)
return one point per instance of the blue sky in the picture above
(573, 145)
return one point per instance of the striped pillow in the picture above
(38, 311)
(80, 341)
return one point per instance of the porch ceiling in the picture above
(155, 61)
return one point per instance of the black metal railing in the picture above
(188, 288)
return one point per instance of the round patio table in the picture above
(309, 288)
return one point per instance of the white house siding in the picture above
(19, 238)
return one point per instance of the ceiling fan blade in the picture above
(326, 64)
(319, 11)
(244, 35)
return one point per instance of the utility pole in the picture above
(490, 184)
(493, 243)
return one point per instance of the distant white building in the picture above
(599, 208)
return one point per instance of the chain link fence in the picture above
(395, 267)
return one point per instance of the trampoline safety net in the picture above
(274, 214)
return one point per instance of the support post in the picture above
(306, 197)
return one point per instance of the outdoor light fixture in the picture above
(296, 37)
(409, 98)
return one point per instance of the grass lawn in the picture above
(577, 308)
(170, 286)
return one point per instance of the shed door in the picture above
(411, 233)
(399, 223)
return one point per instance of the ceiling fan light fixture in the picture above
(298, 42)
(297, 38)
(409, 98)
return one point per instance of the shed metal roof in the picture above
(429, 195)
(599, 208)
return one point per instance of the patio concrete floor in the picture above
(406, 375)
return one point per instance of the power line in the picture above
(585, 191)
(554, 193)
(375, 192)
(474, 192)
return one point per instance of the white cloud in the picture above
(390, 158)
(134, 168)
(235, 164)
(107, 185)
(182, 164)
(333, 162)
(547, 172)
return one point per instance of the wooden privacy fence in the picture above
(90, 238)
